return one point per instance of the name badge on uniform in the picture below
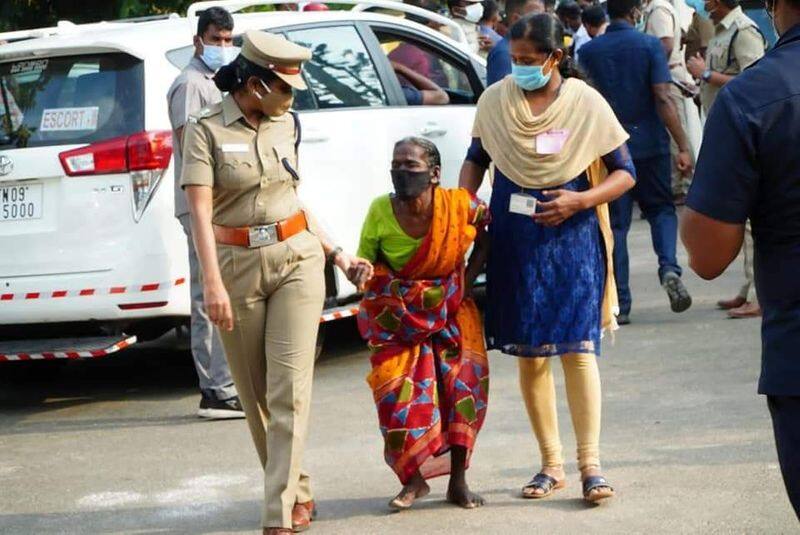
(552, 141)
(235, 147)
(522, 204)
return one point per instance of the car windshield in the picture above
(70, 99)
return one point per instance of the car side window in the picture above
(431, 63)
(341, 73)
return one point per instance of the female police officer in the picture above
(261, 258)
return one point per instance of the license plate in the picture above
(20, 202)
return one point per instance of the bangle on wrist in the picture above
(334, 253)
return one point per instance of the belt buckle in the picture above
(263, 235)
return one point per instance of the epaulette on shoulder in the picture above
(206, 112)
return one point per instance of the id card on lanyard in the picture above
(522, 204)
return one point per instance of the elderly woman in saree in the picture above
(430, 373)
(560, 156)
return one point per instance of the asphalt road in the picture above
(113, 446)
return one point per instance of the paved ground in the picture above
(113, 447)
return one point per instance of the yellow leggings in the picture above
(582, 379)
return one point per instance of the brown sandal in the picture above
(302, 515)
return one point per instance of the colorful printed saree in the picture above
(430, 373)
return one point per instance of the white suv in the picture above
(89, 245)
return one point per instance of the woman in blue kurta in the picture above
(551, 289)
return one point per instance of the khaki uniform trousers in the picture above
(748, 290)
(277, 293)
(684, 106)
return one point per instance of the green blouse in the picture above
(383, 238)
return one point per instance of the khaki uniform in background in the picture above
(698, 36)
(737, 43)
(661, 21)
(276, 291)
(471, 31)
(192, 91)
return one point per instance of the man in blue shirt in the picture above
(419, 90)
(498, 63)
(630, 69)
(749, 167)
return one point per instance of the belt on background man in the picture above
(261, 235)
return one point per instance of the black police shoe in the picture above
(212, 408)
(679, 298)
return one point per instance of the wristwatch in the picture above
(334, 253)
(706, 75)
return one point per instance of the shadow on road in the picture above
(155, 371)
(230, 517)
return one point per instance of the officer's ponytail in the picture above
(226, 77)
(233, 76)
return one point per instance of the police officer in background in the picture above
(661, 20)
(192, 91)
(700, 32)
(737, 44)
(749, 167)
(467, 14)
(263, 257)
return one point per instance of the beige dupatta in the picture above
(508, 131)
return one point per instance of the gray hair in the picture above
(429, 148)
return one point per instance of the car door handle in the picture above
(432, 130)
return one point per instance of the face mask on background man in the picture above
(216, 56)
(474, 13)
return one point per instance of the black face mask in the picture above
(410, 184)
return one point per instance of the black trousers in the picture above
(785, 411)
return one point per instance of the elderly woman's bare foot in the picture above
(458, 493)
(415, 489)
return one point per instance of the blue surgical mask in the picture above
(640, 22)
(217, 56)
(530, 77)
(700, 7)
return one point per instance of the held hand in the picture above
(218, 305)
(357, 270)
(360, 273)
(485, 42)
(683, 161)
(696, 65)
(564, 204)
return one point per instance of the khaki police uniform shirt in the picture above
(748, 47)
(252, 171)
(661, 21)
(191, 91)
(700, 32)
(470, 31)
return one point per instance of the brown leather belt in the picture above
(262, 235)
